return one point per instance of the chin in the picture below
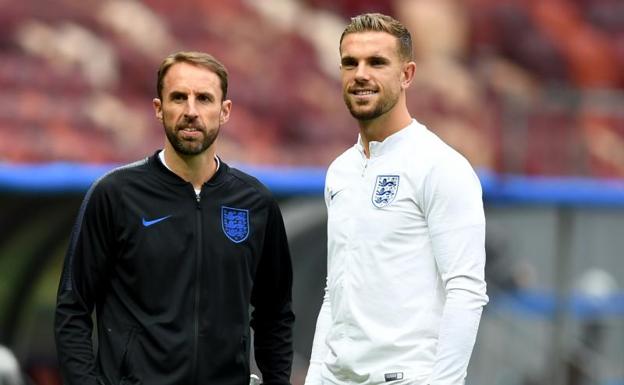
(364, 115)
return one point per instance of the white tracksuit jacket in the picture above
(406, 254)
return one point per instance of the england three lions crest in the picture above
(235, 223)
(386, 187)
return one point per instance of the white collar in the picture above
(161, 156)
(387, 145)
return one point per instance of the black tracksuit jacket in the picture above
(172, 277)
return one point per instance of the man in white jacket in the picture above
(406, 232)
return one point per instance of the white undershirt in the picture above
(161, 156)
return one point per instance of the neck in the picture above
(378, 129)
(195, 169)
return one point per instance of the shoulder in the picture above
(104, 193)
(433, 153)
(448, 172)
(344, 160)
(433, 168)
(249, 183)
(116, 178)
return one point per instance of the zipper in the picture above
(195, 357)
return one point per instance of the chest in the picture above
(373, 201)
(166, 231)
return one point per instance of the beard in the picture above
(381, 107)
(190, 147)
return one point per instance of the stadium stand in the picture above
(77, 78)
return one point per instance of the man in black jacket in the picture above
(172, 252)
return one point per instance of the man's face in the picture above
(191, 108)
(371, 72)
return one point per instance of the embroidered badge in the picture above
(386, 188)
(235, 223)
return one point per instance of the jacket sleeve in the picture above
(323, 321)
(319, 346)
(81, 281)
(272, 318)
(456, 222)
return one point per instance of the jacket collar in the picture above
(171, 177)
(389, 144)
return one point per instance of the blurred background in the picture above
(530, 91)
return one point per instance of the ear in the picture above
(158, 108)
(409, 71)
(224, 114)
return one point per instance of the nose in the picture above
(361, 72)
(190, 111)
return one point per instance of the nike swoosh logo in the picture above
(332, 195)
(154, 221)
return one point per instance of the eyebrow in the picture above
(347, 59)
(207, 94)
(378, 58)
(374, 58)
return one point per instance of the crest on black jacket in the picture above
(235, 223)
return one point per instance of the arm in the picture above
(319, 347)
(323, 321)
(272, 317)
(79, 285)
(457, 228)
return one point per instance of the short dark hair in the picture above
(196, 58)
(377, 22)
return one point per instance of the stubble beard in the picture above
(381, 107)
(188, 147)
